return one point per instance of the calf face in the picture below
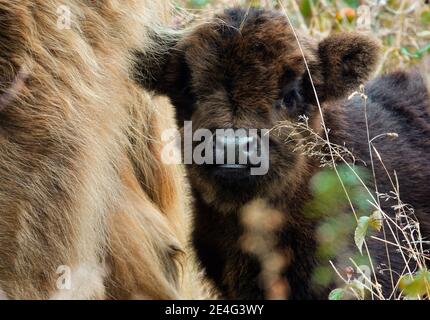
(246, 70)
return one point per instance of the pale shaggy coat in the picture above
(81, 181)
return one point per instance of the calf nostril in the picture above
(244, 141)
(238, 149)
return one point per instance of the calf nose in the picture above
(235, 151)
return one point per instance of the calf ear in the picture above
(151, 64)
(347, 60)
(164, 70)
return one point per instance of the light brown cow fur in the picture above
(81, 180)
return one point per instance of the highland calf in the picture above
(246, 70)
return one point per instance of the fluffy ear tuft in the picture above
(150, 65)
(347, 60)
(165, 71)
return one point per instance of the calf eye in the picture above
(290, 99)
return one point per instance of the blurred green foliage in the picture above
(338, 225)
(198, 3)
(416, 286)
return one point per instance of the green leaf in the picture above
(390, 40)
(352, 3)
(337, 294)
(417, 54)
(255, 3)
(417, 285)
(325, 182)
(306, 8)
(359, 288)
(425, 17)
(360, 232)
(198, 3)
(376, 220)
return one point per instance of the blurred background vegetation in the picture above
(403, 26)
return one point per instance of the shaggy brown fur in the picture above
(81, 180)
(245, 70)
